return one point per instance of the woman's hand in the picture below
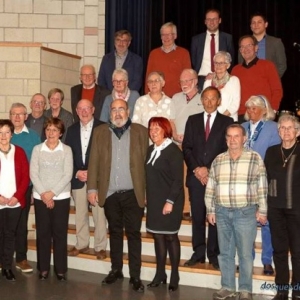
(168, 208)
(50, 204)
(12, 201)
(47, 197)
(3, 200)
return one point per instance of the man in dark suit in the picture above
(116, 182)
(88, 90)
(204, 139)
(269, 47)
(201, 45)
(79, 137)
(123, 58)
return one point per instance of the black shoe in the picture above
(215, 265)
(137, 284)
(192, 262)
(156, 283)
(43, 275)
(268, 270)
(8, 274)
(61, 277)
(112, 277)
(173, 288)
(281, 296)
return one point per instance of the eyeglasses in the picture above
(186, 81)
(119, 41)
(153, 81)
(38, 102)
(118, 81)
(18, 115)
(246, 46)
(86, 108)
(219, 64)
(52, 130)
(290, 128)
(118, 110)
(166, 34)
(87, 75)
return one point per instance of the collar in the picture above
(24, 129)
(121, 56)
(89, 124)
(173, 48)
(89, 88)
(251, 63)
(59, 147)
(215, 33)
(213, 114)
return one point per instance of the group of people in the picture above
(239, 174)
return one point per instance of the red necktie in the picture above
(212, 51)
(207, 127)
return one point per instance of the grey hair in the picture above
(169, 24)
(17, 105)
(160, 74)
(120, 71)
(286, 118)
(224, 54)
(260, 101)
(191, 71)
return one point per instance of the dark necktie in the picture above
(207, 127)
(212, 51)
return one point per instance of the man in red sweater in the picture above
(257, 76)
(169, 59)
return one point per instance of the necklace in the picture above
(6, 152)
(286, 159)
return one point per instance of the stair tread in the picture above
(150, 261)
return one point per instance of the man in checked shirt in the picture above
(235, 199)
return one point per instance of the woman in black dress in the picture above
(165, 197)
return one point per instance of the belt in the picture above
(123, 191)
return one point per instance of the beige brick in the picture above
(90, 45)
(47, 7)
(19, 6)
(101, 51)
(33, 21)
(91, 16)
(91, 60)
(49, 58)
(25, 99)
(8, 20)
(73, 7)
(47, 35)
(11, 53)
(62, 21)
(3, 105)
(1, 6)
(101, 36)
(101, 22)
(76, 65)
(92, 2)
(79, 50)
(52, 74)
(80, 22)
(1, 34)
(72, 77)
(34, 54)
(101, 8)
(72, 35)
(33, 86)
(65, 62)
(18, 35)
(23, 70)
(11, 86)
(2, 70)
(67, 48)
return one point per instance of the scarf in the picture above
(155, 154)
(124, 96)
(252, 139)
(119, 131)
(220, 83)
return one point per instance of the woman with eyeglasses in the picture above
(155, 103)
(283, 171)
(14, 181)
(51, 170)
(120, 91)
(228, 85)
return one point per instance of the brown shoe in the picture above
(100, 254)
(24, 266)
(74, 251)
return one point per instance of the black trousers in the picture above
(198, 209)
(22, 230)
(52, 229)
(122, 211)
(285, 234)
(9, 218)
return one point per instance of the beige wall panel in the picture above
(48, 35)
(73, 7)
(22, 70)
(72, 36)
(11, 86)
(9, 20)
(47, 7)
(19, 6)
(18, 35)
(68, 48)
(11, 53)
(91, 16)
(33, 21)
(62, 21)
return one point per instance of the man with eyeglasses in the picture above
(26, 138)
(121, 57)
(169, 59)
(257, 76)
(79, 138)
(36, 118)
(116, 182)
(186, 103)
(88, 89)
(205, 45)
(269, 47)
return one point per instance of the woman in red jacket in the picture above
(14, 181)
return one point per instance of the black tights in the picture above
(164, 243)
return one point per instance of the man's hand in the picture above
(82, 175)
(93, 198)
(261, 218)
(201, 174)
(211, 218)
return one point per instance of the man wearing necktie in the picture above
(204, 139)
(205, 45)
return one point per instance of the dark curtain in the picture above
(145, 17)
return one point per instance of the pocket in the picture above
(272, 189)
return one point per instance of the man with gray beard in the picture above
(116, 182)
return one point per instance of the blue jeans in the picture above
(267, 248)
(236, 231)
